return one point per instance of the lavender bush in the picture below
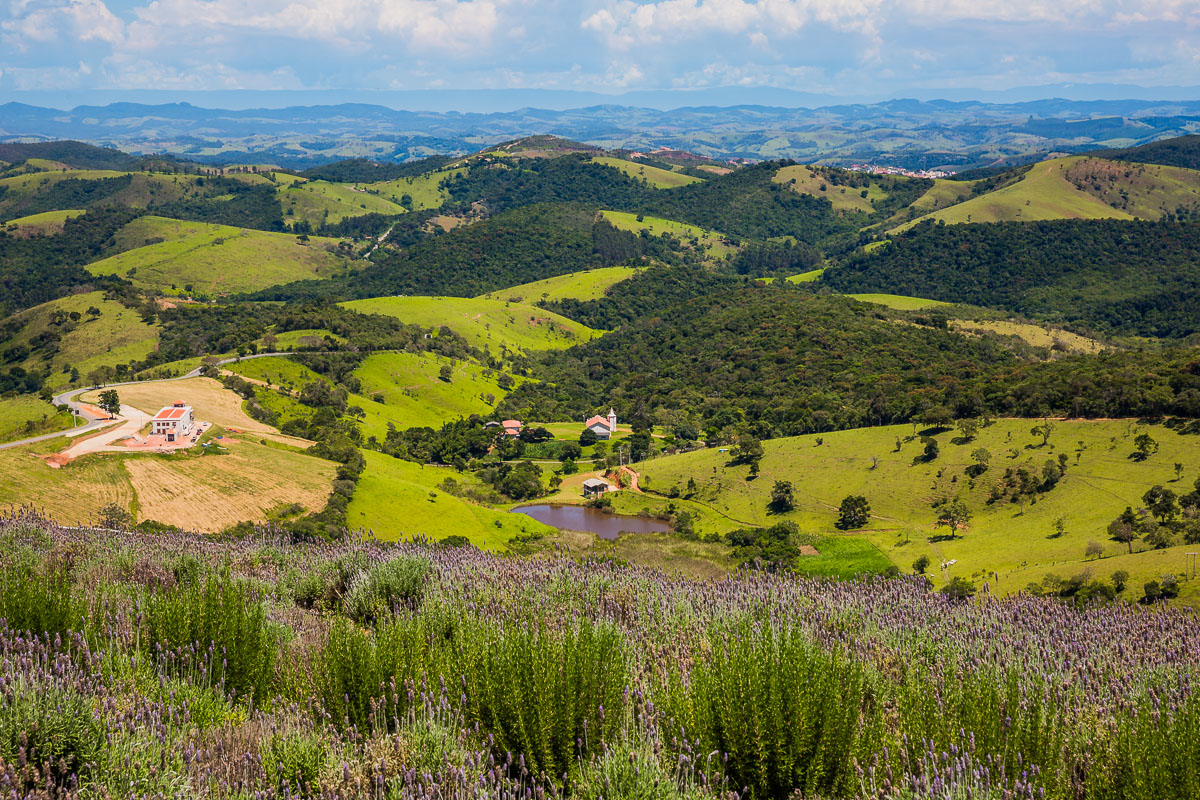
(139, 665)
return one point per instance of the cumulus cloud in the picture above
(43, 22)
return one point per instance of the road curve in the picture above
(67, 398)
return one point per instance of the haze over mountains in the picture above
(954, 135)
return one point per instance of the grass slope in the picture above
(1044, 192)
(215, 259)
(710, 241)
(46, 223)
(1012, 540)
(804, 180)
(483, 322)
(414, 394)
(322, 201)
(587, 285)
(27, 415)
(1146, 191)
(654, 176)
(424, 190)
(898, 301)
(117, 336)
(398, 499)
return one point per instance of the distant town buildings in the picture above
(879, 169)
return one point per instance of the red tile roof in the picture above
(596, 419)
(170, 414)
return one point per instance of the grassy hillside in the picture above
(46, 223)
(205, 260)
(414, 394)
(322, 201)
(398, 499)
(116, 336)
(1017, 541)
(807, 180)
(654, 176)
(709, 241)
(483, 322)
(27, 415)
(896, 301)
(424, 190)
(588, 285)
(1146, 191)
(1044, 192)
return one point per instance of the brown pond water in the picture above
(582, 518)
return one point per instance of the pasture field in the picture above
(215, 491)
(28, 415)
(807, 277)
(803, 179)
(942, 194)
(118, 335)
(399, 500)
(485, 323)
(1036, 335)
(425, 190)
(587, 285)
(898, 301)
(46, 223)
(414, 394)
(1009, 544)
(655, 176)
(1146, 191)
(72, 494)
(32, 182)
(1044, 192)
(205, 260)
(322, 201)
(710, 241)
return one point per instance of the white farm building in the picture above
(175, 422)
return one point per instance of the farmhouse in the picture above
(510, 427)
(603, 427)
(174, 422)
(594, 487)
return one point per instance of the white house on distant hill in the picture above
(174, 422)
(603, 427)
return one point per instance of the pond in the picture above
(582, 518)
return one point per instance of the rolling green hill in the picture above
(1016, 540)
(27, 415)
(205, 260)
(389, 485)
(46, 223)
(485, 323)
(1044, 192)
(815, 181)
(414, 394)
(52, 342)
(424, 191)
(319, 202)
(588, 285)
(654, 176)
(715, 244)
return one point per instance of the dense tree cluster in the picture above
(646, 293)
(1123, 276)
(361, 170)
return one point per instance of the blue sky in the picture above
(833, 47)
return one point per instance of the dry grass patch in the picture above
(1036, 335)
(212, 492)
(72, 494)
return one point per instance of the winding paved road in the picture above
(94, 422)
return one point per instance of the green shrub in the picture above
(57, 730)
(790, 715)
(219, 627)
(38, 601)
(400, 581)
(293, 762)
(549, 694)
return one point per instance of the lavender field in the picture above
(137, 665)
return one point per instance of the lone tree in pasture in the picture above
(1145, 446)
(1093, 550)
(110, 402)
(968, 429)
(954, 515)
(1044, 430)
(1161, 503)
(1125, 528)
(937, 417)
(747, 451)
(920, 565)
(931, 448)
(982, 457)
(854, 512)
(446, 373)
(783, 498)
(959, 589)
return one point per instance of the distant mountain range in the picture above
(946, 134)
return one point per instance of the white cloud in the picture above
(42, 22)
